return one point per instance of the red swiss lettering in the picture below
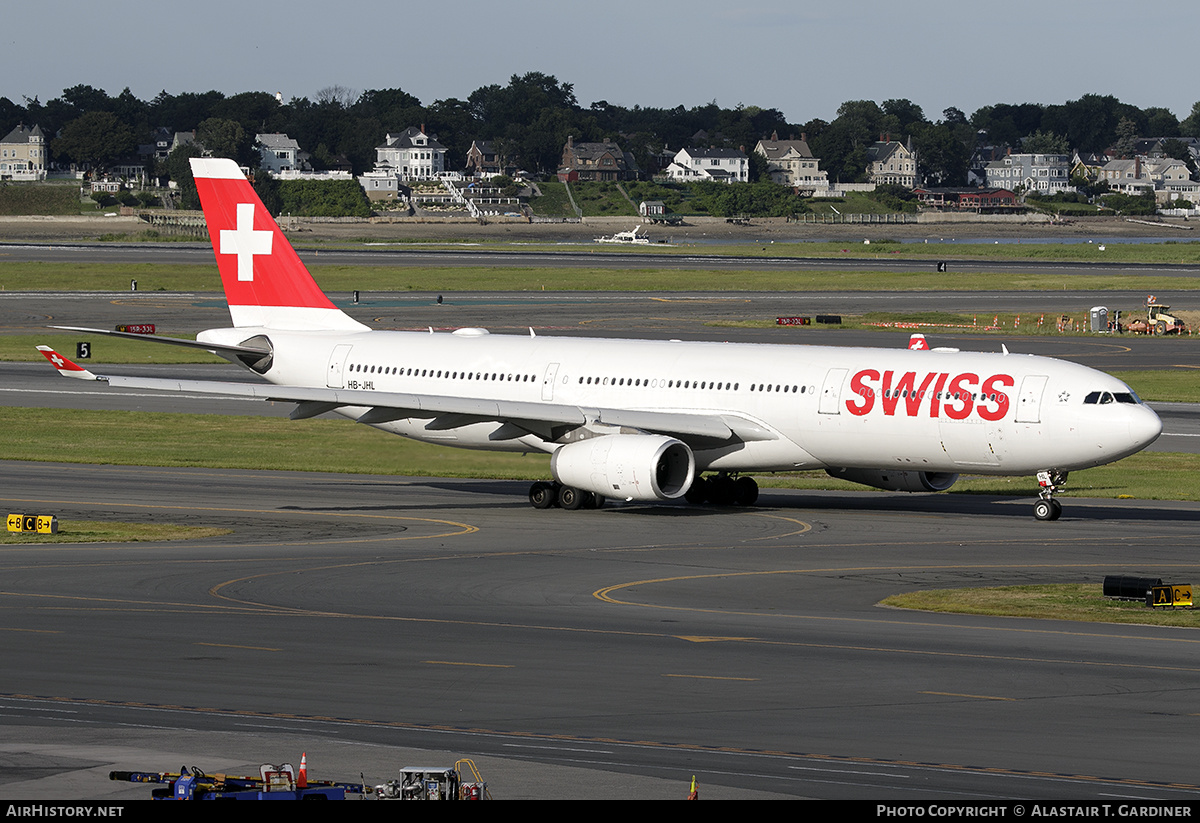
(988, 390)
(960, 393)
(866, 395)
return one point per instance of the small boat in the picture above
(626, 238)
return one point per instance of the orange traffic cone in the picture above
(302, 778)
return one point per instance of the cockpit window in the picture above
(1104, 398)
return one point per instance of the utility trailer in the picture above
(273, 783)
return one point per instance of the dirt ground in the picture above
(698, 230)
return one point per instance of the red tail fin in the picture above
(265, 282)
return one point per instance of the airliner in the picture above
(646, 420)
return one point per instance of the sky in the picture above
(800, 57)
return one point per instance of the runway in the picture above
(365, 616)
(570, 255)
(376, 622)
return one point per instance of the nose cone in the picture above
(1144, 427)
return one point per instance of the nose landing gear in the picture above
(1046, 507)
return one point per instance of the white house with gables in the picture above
(721, 165)
(411, 155)
(279, 152)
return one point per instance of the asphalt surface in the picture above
(376, 622)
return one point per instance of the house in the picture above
(652, 208)
(596, 161)
(411, 155)
(1043, 173)
(1167, 177)
(791, 163)
(890, 162)
(1172, 180)
(279, 153)
(23, 154)
(721, 165)
(483, 159)
(1126, 176)
(383, 184)
(981, 201)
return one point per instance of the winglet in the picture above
(917, 343)
(66, 367)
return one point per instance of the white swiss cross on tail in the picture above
(245, 242)
(265, 283)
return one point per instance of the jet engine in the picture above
(897, 480)
(626, 466)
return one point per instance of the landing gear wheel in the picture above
(542, 495)
(1050, 481)
(745, 491)
(697, 492)
(721, 490)
(1047, 509)
(571, 498)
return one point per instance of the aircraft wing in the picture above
(442, 412)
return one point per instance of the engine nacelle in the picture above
(897, 480)
(626, 466)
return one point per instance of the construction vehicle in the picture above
(421, 783)
(1158, 320)
(273, 783)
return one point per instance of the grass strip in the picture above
(115, 277)
(97, 531)
(213, 441)
(1084, 602)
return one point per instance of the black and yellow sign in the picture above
(1166, 596)
(39, 523)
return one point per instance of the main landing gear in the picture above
(1046, 507)
(720, 490)
(543, 495)
(723, 490)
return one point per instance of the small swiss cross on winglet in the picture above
(66, 367)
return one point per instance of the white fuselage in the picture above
(816, 406)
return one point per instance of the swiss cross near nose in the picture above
(245, 242)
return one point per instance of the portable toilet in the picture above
(1099, 319)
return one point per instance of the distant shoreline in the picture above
(693, 230)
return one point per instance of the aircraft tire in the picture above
(745, 491)
(1044, 510)
(542, 495)
(571, 498)
(721, 491)
(697, 492)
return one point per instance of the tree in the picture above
(1041, 142)
(268, 191)
(225, 138)
(94, 139)
(1161, 122)
(1006, 124)
(942, 156)
(180, 172)
(1127, 135)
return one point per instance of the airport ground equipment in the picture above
(273, 783)
(435, 783)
